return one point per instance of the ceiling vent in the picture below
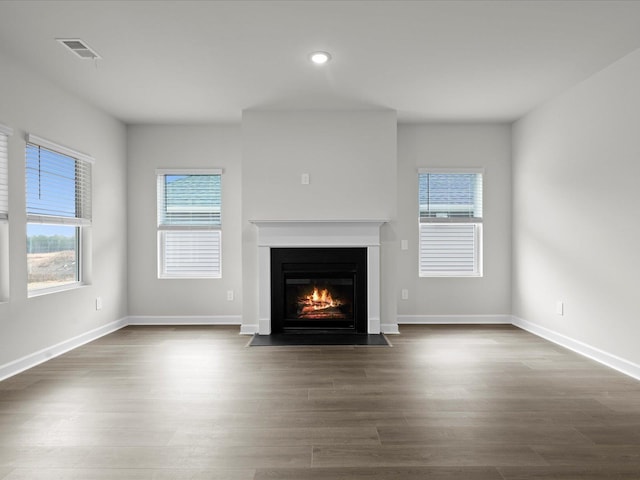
(79, 48)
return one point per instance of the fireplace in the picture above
(319, 290)
(329, 235)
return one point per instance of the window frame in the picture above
(82, 221)
(5, 133)
(454, 221)
(164, 230)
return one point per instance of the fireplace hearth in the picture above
(319, 290)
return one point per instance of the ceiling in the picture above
(206, 61)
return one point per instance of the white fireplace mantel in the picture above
(318, 233)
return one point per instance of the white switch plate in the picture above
(405, 294)
(230, 295)
(99, 303)
(560, 307)
(305, 179)
(404, 245)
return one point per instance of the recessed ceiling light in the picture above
(320, 58)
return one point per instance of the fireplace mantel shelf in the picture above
(318, 233)
(374, 221)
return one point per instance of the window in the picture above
(450, 223)
(58, 213)
(189, 223)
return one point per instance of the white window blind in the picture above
(4, 173)
(449, 248)
(450, 222)
(58, 187)
(189, 223)
(452, 196)
(191, 253)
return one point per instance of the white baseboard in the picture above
(608, 359)
(29, 361)
(453, 319)
(185, 320)
(249, 329)
(389, 328)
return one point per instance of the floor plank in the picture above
(382, 473)
(128, 474)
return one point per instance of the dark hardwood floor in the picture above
(445, 402)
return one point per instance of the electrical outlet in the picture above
(305, 179)
(99, 303)
(230, 295)
(405, 294)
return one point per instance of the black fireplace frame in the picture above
(323, 261)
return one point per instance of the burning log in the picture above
(319, 303)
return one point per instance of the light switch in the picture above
(305, 179)
(404, 245)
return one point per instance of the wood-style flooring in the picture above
(445, 402)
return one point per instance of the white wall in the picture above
(351, 159)
(207, 146)
(576, 187)
(486, 299)
(30, 104)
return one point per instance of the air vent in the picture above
(79, 48)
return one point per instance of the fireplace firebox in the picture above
(319, 290)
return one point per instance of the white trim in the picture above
(6, 130)
(451, 170)
(501, 319)
(51, 220)
(37, 292)
(287, 223)
(249, 329)
(189, 171)
(185, 320)
(389, 328)
(56, 147)
(600, 356)
(29, 361)
(318, 233)
(373, 289)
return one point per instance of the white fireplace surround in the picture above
(318, 233)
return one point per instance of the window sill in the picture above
(62, 288)
(456, 275)
(189, 278)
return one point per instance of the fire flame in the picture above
(320, 299)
